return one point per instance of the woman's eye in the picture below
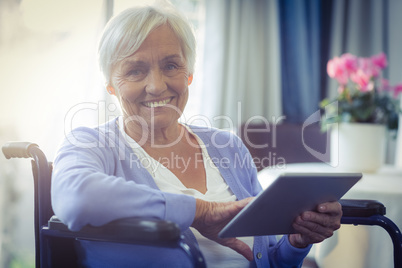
(135, 72)
(171, 67)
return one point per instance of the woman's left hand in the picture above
(314, 227)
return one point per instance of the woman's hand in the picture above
(314, 227)
(211, 217)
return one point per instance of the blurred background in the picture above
(256, 60)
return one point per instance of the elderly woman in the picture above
(147, 164)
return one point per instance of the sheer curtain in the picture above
(241, 65)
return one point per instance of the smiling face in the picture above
(153, 82)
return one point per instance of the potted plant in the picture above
(365, 106)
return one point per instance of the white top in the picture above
(215, 254)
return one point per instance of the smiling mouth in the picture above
(156, 104)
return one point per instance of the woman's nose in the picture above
(156, 83)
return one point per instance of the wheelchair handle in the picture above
(18, 149)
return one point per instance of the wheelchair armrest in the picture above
(129, 230)
(361, 208)
(17, 149)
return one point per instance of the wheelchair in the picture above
(54, 242)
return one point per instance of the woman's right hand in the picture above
(211, 217)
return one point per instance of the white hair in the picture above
(125, 33)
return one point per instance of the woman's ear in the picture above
(110, 89)
(190, 79)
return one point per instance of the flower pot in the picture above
(358, 147)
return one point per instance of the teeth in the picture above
(156, 104)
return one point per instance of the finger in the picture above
(313, 229)
(239, 246)
(334, 208)
(241, 203)
(307, 235)
(325, 220)
(231, 209)
(247, 200)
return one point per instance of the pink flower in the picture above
(336, 70)
(397, 89)
(380, 60)
(362, 79)
(361, 71)
(366, 66)
(349, 62)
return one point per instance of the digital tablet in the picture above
(273, 211)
